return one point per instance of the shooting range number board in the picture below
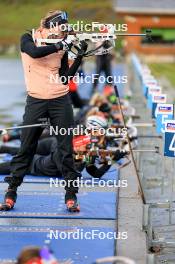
(163, 113)
(156, 99)
(152, 90)
(169, 142)
(148, 82)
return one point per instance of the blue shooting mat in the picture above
(112, 175)
(80, 251)
(94, 205)
(85, 89)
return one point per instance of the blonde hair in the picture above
(93, 111)
(97, 99)
(27, 254)
(48, 16)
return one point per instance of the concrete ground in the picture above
(157, 178)
(130, 219)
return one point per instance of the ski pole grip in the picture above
(116, 91)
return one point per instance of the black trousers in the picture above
(60, 112)
(103, 64)
(76, 100)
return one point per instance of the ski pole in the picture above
(129, 144)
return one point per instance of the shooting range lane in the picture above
(51, 205)
(111, 177)
(80, 250)
(98, 205)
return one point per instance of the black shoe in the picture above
(9, 200)
(71, 203)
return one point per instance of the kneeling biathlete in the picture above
(46, 99)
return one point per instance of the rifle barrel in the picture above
(132, 34)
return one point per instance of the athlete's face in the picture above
(56, 32)
(80, 148)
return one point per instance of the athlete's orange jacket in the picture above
(42, 74)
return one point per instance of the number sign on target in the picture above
(169, 144)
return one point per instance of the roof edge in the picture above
(145, 11)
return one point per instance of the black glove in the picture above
(107, 44)
(83, 48)
(119, 155)
(65, 44)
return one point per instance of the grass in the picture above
(14, 55)
(164, 69)
(18, 15)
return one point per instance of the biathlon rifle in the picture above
(105, 155)
(107, 39)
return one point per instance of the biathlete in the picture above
(45, 160)
(46, 99)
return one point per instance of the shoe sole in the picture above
(74, 210)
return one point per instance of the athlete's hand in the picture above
(66, 44)
(119, 154)
(82, 48)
